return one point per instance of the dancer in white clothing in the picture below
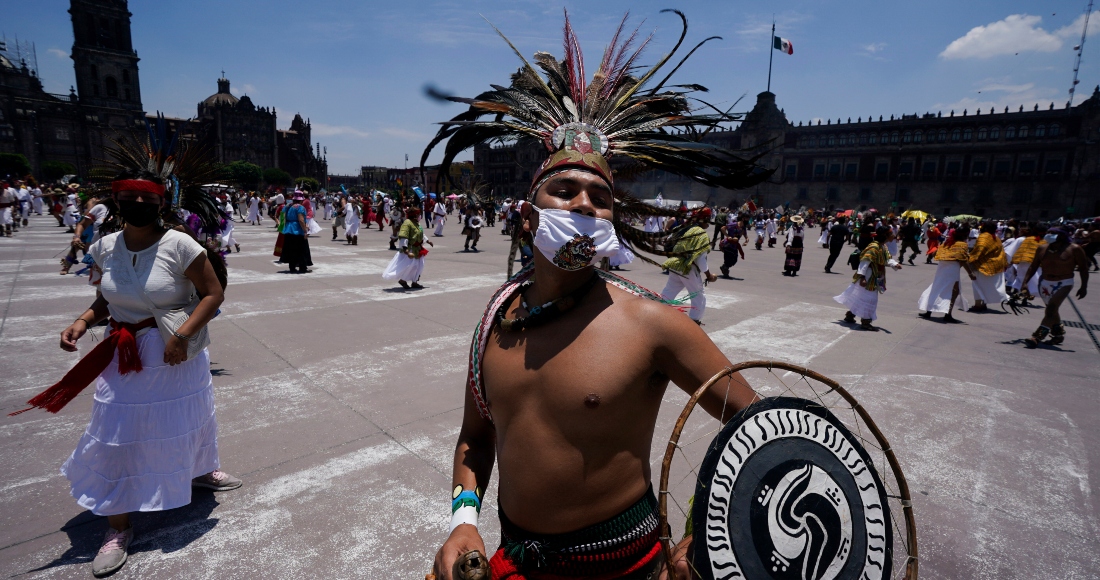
(440, 213)
(254, 215)
(351, 221)
(153, 431)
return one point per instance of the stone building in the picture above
(237, 130)
(1036, 164)
(106, 101)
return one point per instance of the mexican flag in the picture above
(783, 45)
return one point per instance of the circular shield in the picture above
(787, 492)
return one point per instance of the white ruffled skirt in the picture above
(151, 432)
(860, 301)
(351, 227)
(937, 296)
(402, 267)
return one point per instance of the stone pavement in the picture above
(339, 398)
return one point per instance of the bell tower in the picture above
(104, 56)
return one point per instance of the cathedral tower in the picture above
(104, 56)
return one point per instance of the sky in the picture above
(357, 69)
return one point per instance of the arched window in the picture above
(112, 87)
(994, 132)
(1023, 132)
(1041, 131)
(943, 135)
(894, 138)
(874, 139)
(956, 134)
(918, 136)
(907, 137)
(851, 139)
(863, 139)
(1010, 133)
(982, 133)
(832, 140)
(1055, 130)
(968, 134)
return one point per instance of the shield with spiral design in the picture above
(787, 492)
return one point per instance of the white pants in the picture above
(37, 204)
(328, 211)
(439, 225)
(693, 283)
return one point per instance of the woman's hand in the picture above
(70, 335)
(175, 352)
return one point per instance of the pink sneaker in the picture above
(112, 555)
(217, 480)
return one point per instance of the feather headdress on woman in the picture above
(620, 112)
(160, 161)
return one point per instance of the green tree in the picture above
(308, 183)
(14, 164)
(277, 177)
(53, 170)
(243, 174)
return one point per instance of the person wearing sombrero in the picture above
(569, 363)
(793, 245)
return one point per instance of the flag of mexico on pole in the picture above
(780, 44)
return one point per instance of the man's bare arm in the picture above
(475, 454)
(687, 356)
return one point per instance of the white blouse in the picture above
(159, 268)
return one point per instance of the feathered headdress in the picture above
(621, 111)
(182, 167)
(582, 123)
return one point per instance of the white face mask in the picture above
(572, 241)
(1050, 238)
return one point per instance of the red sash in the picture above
(93, 364)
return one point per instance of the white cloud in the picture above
(58, 52)
(324, 130)
(874, 47)
(996, 94)
(1016, 33)
(756, 29)
(1073, 31)
(405, 134)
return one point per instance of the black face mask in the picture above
(138, 213)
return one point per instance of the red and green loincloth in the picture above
(625, 546)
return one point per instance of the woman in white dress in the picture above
(254, 210)
(408, 263)
(153, 431)
(351, 221)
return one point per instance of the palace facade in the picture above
(1036, 163)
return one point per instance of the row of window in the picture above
(978, 168)
(957, 135)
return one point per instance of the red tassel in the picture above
(129, 359)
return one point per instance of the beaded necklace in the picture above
(539, 315)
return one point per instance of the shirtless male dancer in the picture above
(574, 402)
(569, 364)
(1058, 257)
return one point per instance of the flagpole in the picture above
(771, 55)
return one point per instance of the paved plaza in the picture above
(339, 399)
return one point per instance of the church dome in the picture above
(223, 96)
